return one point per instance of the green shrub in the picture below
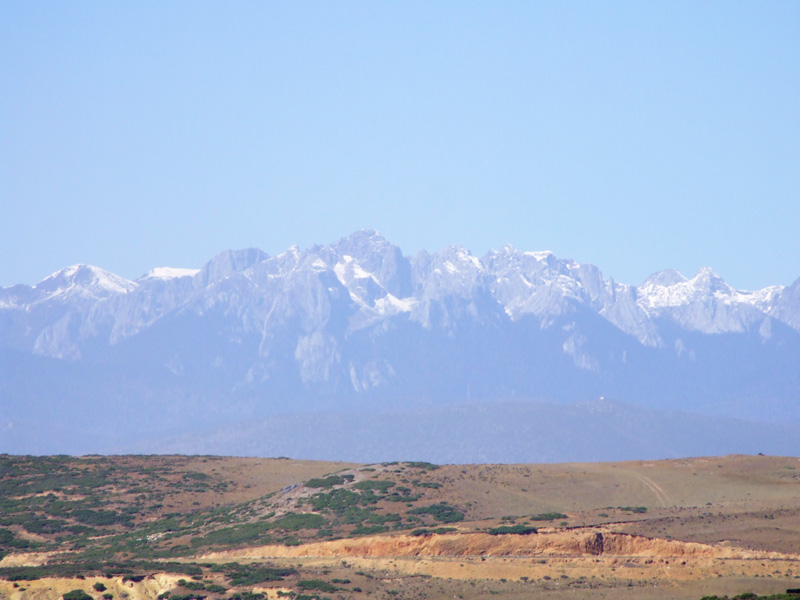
(382, 519)
(368, 529)
(355, 515)
(77, 595)
(236, 535)
(192, 585)
(9, 540)
(372, 484)
(427, 484)
(99, 587)
(395, 497)
(513, 529)
(436, 530)
(325, 482)
(421, 465)
(296, 521)
(317, 584)
(442, 512)
(248, 575)
(101, 517)
(548, 516)
(335, 500)
(634, 509)
(43, 526)
(83, 567)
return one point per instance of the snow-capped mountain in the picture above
(358, 324)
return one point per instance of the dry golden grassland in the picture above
(211, 526)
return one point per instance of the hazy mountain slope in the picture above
(356, 326)
(485, 433)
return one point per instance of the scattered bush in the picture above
(548, 516)
(513, 529)
(372, 484)
(296, 521)
(101, 517)
(427, 484)
(239, 534)
(317, 584)
(422, 465)
(247, 596)
(634, 509)
(248, 575)
(84, 567)
(326, 482)
(335, 500)
(437, 531)
(368, 530)
(442, 512)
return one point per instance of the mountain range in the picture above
(91, 361)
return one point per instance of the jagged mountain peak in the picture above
(229, 262)
(82, 280)
(669, 288)
(364, 238)
(665, 277)
(377, 275)
(367, 247)
(542, 255)
(708, 280)
(454, 255)
(367, 253)
(705, 280)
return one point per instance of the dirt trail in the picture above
(655, 488)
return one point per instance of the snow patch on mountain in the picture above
(763, 299)
(165, 273)
(540, 255)
(389, 305)
(705, 302)
(348, 269)
(81, 281)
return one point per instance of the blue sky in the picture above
(637, 136)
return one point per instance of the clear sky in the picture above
(634, 135)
